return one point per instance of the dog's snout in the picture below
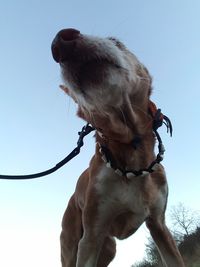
(69, 34)
(63, 44)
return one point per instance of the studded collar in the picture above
(158, 119)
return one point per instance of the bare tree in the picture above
(186, 231)
(184, 220)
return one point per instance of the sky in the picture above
(39, 124)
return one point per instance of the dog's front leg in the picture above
(95, 230)
(71, 234)
(89, 250)
(165, 243)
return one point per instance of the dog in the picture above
(112, 90)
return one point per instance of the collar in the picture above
(158, 119)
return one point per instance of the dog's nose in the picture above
(63, 44)
(68, 34)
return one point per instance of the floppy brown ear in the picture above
(67, 91)
(64, 88)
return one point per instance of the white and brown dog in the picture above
(112, 90)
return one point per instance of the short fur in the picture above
(112, 89)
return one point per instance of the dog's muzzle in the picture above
(64, 44)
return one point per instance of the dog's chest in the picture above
(118, 194)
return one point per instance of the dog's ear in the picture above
(67, 91)
(64, 88)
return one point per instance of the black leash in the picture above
(158, 120)
(85, 131)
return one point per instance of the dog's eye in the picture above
(117, 42)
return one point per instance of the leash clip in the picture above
(85, 131)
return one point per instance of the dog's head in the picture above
(109, 84)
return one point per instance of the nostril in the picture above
(69, 34)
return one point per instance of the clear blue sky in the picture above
(38, 122)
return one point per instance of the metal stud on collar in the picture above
(130, 174)
(110, 164)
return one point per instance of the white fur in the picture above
(116, 83)
(118, 196)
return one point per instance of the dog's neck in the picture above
(136, 155)
(130, 143)
(126, 132)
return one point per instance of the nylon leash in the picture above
(158, 120)
(85, 131)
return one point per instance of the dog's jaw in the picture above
(106, 81)
(101, 73)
